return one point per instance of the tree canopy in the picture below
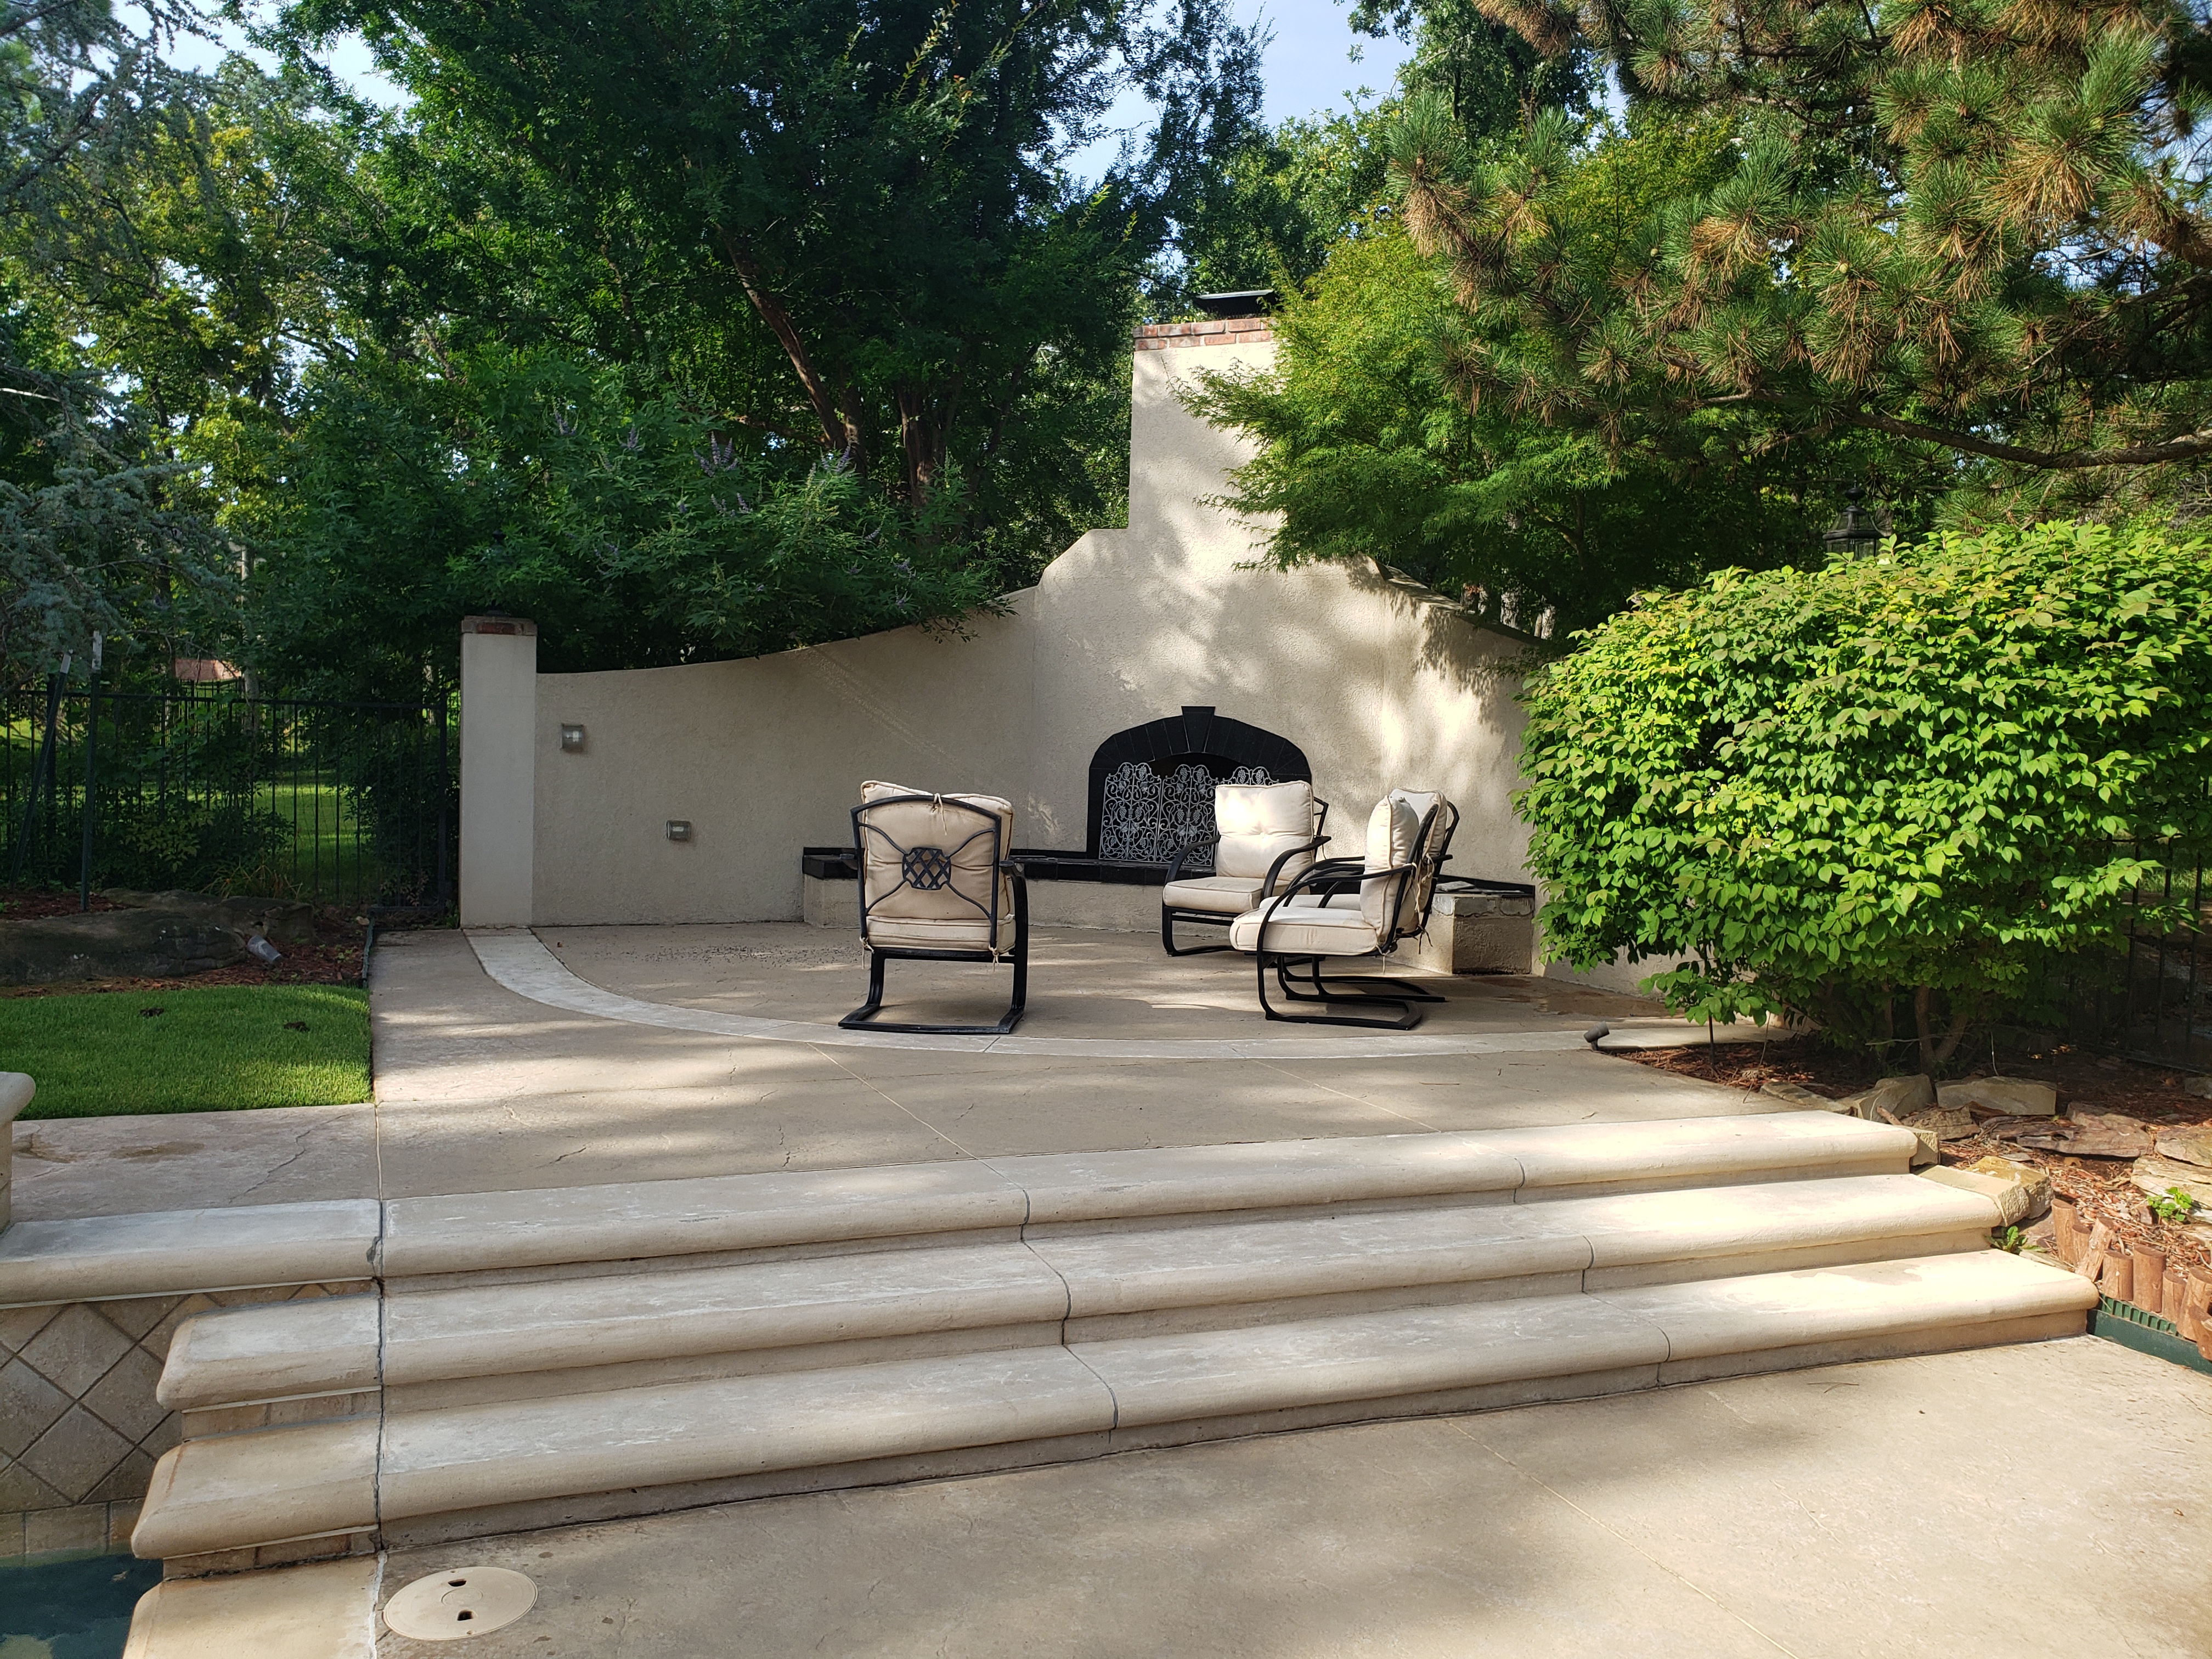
(1976, 227)
(697, 330)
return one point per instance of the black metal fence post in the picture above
(91, 784)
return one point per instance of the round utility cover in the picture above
(461, 1601)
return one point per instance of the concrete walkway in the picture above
(481, 1088)
(2053, 1498)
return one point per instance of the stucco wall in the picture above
(1380, 684)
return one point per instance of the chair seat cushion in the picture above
(1226, 895)
(935, 934)
(1306, 930)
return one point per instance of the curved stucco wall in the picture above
(1379, 682)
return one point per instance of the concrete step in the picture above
(471, 1237)
(465, 1470)
(1063, 1286)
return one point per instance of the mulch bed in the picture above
(2100, 1187)
(334, 958)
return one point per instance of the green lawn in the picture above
(218, 1050)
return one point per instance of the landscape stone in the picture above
(2091, 1135)
(1950, 1123)
(157, 936)
(2156, 1175)
(1798, 1095)
(2199, 1086)
(2191, 1144)
(1930, 1150)
(1894, 1095)
(2035, 1183)
(287, 921)
(2011, 1198)
(2017, 1097)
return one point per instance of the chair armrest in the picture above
(1276, 868)
(1403, 871)
(1191, 844)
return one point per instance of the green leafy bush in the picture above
(1892, 796)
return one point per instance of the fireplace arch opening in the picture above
(1151, 786)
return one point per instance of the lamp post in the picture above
(1854, 535)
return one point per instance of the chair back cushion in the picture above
(1392, 829)
(929, 869)
(1259, 823)
(1425, 802)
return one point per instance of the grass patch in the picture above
(217, 1048)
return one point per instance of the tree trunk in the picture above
(840, 430)
(1953, 1037)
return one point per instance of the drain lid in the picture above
(443, 1607)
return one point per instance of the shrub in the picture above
(1891, 796)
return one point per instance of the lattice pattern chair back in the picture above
(931, 876)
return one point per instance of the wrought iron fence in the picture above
(202, 786)
(2154, 1001)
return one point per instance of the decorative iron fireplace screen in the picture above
(1152, 786)
(1146, 819)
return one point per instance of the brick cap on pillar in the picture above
(499, 625)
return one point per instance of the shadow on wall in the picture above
(1380, 682)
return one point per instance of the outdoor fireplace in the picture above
(1152, 786)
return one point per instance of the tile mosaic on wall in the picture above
(80, 1427)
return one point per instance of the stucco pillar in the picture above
(499, 770)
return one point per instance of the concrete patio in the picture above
(481, 1088)
(1939, 1503)
(1973, 1505)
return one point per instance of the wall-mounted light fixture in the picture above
(572, 739)
(679, 828)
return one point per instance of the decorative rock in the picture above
(1950, 1123)
(2034, 1183)
(1798, 1095)
(2016, 1095)
(1929, 1149)
(166, 936)
(1896, 1095)
(2156, 1175)
(288, 922)
(2092, 1135)
(2010, 1197)
(2191, 1144)
(2200, 1086)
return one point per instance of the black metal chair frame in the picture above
(932, 865)
(1377, 991)
(1170, 916)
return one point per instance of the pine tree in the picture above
(1976, 228)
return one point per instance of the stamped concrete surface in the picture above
(479, 1088)
(1997, 1502)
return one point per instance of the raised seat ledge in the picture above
(174, 1252)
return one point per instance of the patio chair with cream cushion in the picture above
(1264, 834)
(1311, 921)
(938, 884)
